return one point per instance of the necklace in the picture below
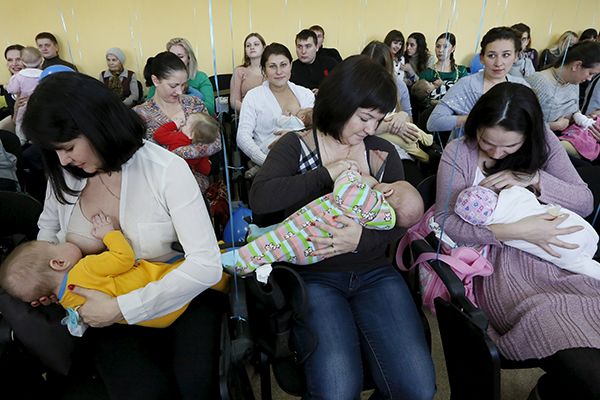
(556, 76)
(107, 188)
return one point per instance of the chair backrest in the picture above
(224, 81)
(427, 189)
(19, 213)
(11, 143)
(141, 96)
(222, 95)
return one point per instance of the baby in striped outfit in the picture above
(372, 207)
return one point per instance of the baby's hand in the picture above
(102, 225)
(179, 122)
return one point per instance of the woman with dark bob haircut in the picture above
(357, 303)
(97, 161)
(536, 310)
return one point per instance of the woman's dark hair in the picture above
(450, 38)
(514, 107)
(395, 36)
(422, 54)
(588, 34)
(13, 47)
(521, 28)
(500, 33)
(162, 66)
(356, 82)
(68, 105)
(588, 52)
(276, 49)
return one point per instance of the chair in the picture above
(228, 118)
(19, 213)
(473, 361)
(11, 144)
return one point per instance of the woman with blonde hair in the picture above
(549, 56)
(248, 75)
(197, 80)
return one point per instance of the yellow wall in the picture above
(141, 28)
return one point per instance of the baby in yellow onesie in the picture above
(36, 268)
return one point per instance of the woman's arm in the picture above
(134, 93)
(279, 175)
(442, 118)
(453, 176)
(404, 97)
(561, 184)
(560, 124)
(558, 182)
(202, 83)
(198, 150)
(201, 268)
(49, 221)
(246, 127)
(235, 89)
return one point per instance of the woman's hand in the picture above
(398, 124)
(337, 167)
(99, 309)
(560, 124)
(541, 230)
(341, 240)
(595, 132)
(506, 179)
(406, 67)
(21, 100)
(461, 120)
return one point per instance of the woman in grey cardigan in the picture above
(499, 48)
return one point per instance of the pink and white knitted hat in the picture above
(476, 204)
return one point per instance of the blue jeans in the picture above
(366, 316)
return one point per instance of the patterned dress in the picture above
(155, 118)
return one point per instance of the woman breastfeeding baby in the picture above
(536, 310)
(98, 161)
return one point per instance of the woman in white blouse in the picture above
(273, 108)
(97, 160)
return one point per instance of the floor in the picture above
(516, 384)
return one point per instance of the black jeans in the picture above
(571, 374)
(180, 361)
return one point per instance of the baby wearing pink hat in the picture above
(478, 205)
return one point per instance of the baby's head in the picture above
(31, 57)
(408, 211)
(201, 128)
(422, 89)
(34, 269)
(476, 204)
